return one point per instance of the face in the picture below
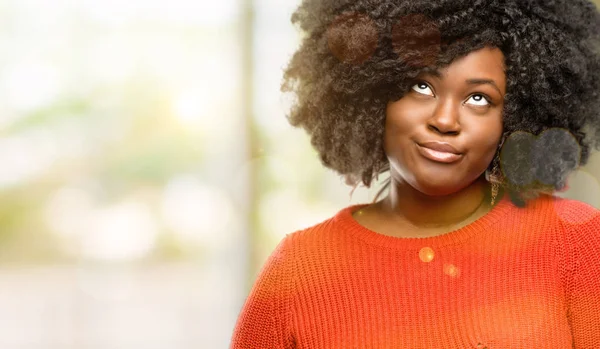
(444, 132)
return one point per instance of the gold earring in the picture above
(494, 179)
(495, 189)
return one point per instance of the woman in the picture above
(479, 111)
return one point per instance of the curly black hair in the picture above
(356, 56)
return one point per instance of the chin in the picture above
(437, 191)
(438, 188)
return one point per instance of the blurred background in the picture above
(148, 170)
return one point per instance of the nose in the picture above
(445, 119)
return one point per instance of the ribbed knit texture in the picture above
(515, 278)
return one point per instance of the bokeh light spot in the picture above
(198, 214)
(582, 186)
(426, 254)
(416, 40)
(352, 37)
(566, 152)
(515, 158)
(547, 159)
(451, 270)
(125, 231)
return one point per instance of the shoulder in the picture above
(570, 204)
(326, 227)
(580, 223)
(563, 219)
(556, 210)
(323, 236)
(573, 213)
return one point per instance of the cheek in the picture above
(401, 119)
(486, 143)
(395, 137)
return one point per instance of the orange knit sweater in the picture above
(515, 278)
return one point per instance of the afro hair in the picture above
(356, 56)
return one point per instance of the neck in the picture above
(410, 206)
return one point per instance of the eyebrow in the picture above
(484, 82)
(490, 82)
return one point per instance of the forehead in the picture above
(486, 63)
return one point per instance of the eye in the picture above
(480, 100)
(422, 88)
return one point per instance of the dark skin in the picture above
(434, 192)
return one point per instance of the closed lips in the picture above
(440, 147)
(439, 152)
